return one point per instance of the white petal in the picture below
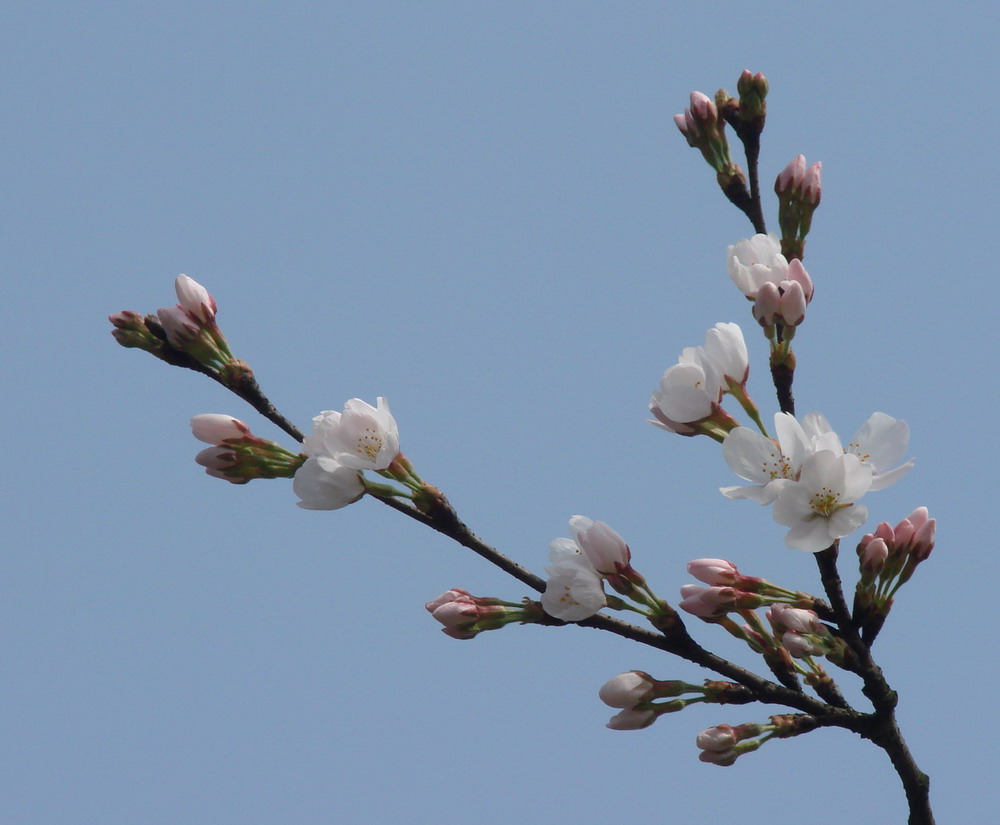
(685, 393)
(881, 441)
(321, 484)
(882, 480)
(752, 456)
(846, 520)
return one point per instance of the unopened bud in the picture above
(632, 719)
(626, 690)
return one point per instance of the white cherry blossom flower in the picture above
(881, 443)
(769, 464)
(323, 484)
(820, 507)
(755, 261)
(574, 590)
(689, 389)
(361, 437)
(727, 351)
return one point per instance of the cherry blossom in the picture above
(769, 463)
(574, 590)
(880, 443)
(362, 437)
(820, 507)
(755, 261)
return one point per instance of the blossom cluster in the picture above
(811, 478)
(688, 401)
(575, 587)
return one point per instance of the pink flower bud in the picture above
(923, 540)
(797, 272)
(707, 602)
(798, 619)
(632, 720)
(446, 597)
(215, 429)
(918, 517)
(884, 531)
(801, 646)
(717, 739)
(792, 305)
(767, 304)
(723, 758)
(194, 298)
(682, 124)
(456, 614)
(713, 571)
(812, 187)
(626, 690)
(178, 326)
(217, 461)
(903, 532)
(874, 556)
(790, 178)
(702, 107)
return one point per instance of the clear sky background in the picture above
(484, 212)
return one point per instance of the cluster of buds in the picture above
(752, 89)
(888, 557)
(801, 632)
(724, 744)
(464, 616)
(730, 591)
(237, 455)
(636, 692)
(705, 129)
(799, 190)
(185, 335)
(780, 289)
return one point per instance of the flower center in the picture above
(855, 448)
(824, 502)
(369, 442)
(777, 466)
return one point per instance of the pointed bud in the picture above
(790, 178)
(812, 185)
(215, 429)
(626, 690)
(194, 299)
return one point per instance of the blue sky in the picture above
(483, 212)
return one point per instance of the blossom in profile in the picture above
(323, 484)
(726, 350)
(604, 548)
(362, 437)
(688, 401)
